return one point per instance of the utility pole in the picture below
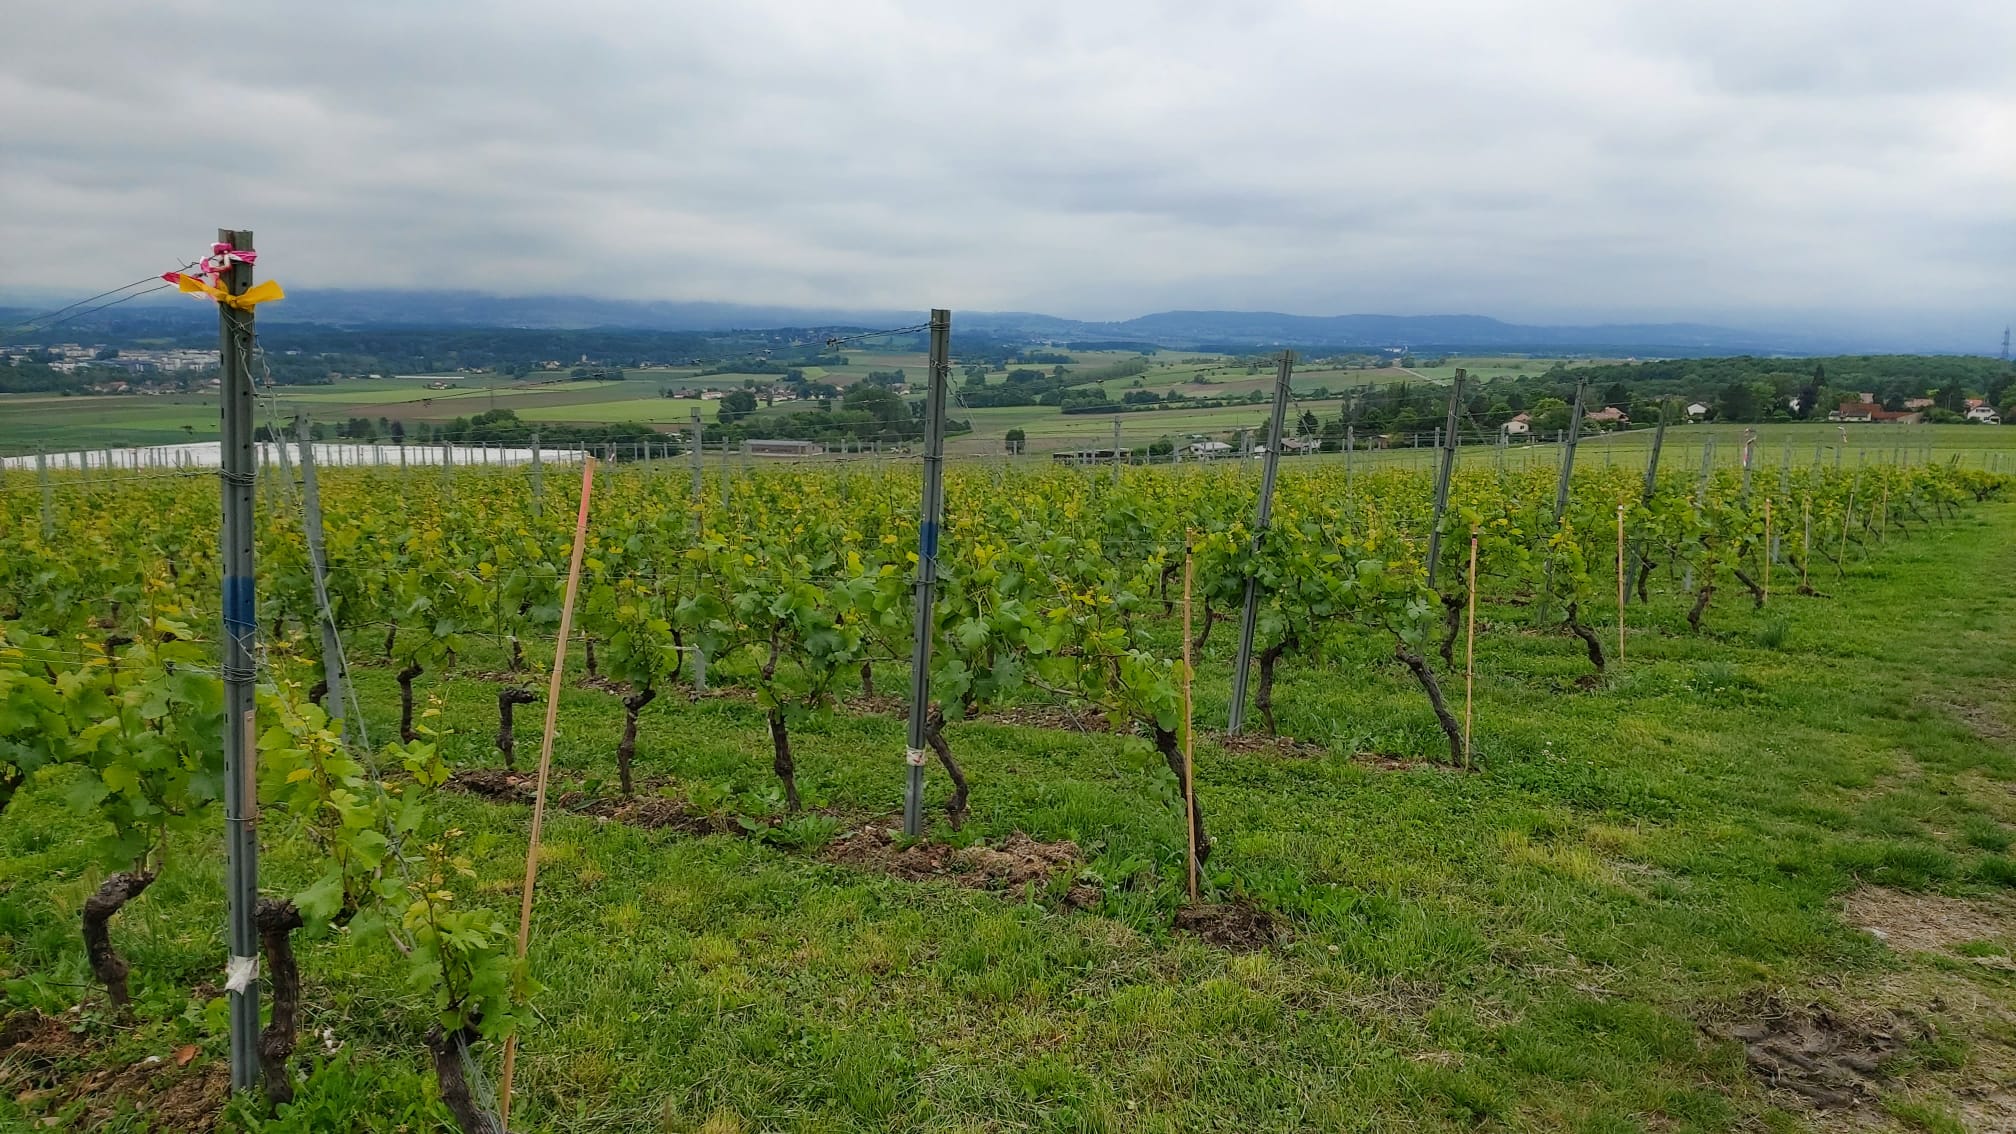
(1116, 449)
(931, 513)
(335, 674)
(1270, 467)
(1447, 440)
(241, 847)
(1561, 486)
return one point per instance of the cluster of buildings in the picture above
(768, 395)
(1867, 409)
(68, 358)
(1521, 424)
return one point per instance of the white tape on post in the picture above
(240, 972)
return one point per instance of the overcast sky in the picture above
(1735, 160)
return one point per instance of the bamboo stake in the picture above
(546, 763)
(1470, 653)
(1189, 748)
(1620, 584)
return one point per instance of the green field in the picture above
(1655, 881)
(28, 421)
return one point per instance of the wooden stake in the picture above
(1189, 748)
(1470, 653)
(546, 762)
(1620, 584)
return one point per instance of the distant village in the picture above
(1867, 409)
(141, 371)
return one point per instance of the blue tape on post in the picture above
(927, 541)
(238, 608)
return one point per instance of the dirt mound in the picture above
(496, 783)
(501, 677)
(1932, 923)
(652, 813)
(29, 1035)
(878, 704)
(1231, 925)
(649, 809)
(1831, 1061)
(39, 1057)
(172, 1098)
(1385, 762)
(1018, 861)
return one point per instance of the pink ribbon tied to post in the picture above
(208, 278)
(213, 266)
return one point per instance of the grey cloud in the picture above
(1555, 159)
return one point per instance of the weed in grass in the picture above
(1925, 1115)
(1984, 833)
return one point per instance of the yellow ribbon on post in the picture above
(265, 291)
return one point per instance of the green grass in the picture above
(58, 423)
(1529, 947)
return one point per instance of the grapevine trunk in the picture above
(507, 737)
(1172, 754)
(1433, 688)
(1756, 592)
(455, 1093)
(934, 735)
(277, 920)
(406, 677)
(1589, 639)
(106, 964)
(1263, 699)
(780, 762)
(632, 705)
(1452, 626)
(1701, 598)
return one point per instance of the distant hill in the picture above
(471, 308)
(1178, 329)
(1421, 332)
(1186, 330)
